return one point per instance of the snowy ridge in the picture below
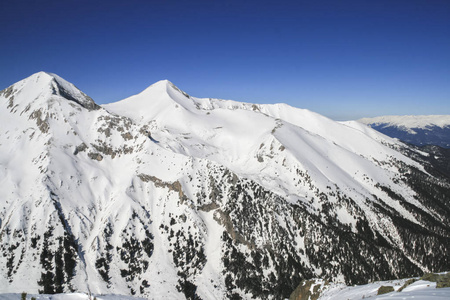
(168, 196)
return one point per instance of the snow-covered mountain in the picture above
(416, 130)
(168, 196)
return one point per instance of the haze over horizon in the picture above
(345, 60)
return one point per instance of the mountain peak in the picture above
(167, 87)
(43, 79)
(42, 75)
(161, 96)
(163, 82)
(45, 84)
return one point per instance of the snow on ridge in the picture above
(409, 121)
(211, 121)
(167, 107)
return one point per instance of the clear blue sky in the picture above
(344, 59)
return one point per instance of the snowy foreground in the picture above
(419, 290)
(71, 296)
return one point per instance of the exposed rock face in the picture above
(224, 199)
(385, 289)
(66, 91)
(308, 290)
(442, 280)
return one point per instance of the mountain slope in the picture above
(175, 197)
(416, 130)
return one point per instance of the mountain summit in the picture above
(170, 196)
(46, 86)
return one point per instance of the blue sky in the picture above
(344, 59)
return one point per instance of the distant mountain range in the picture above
(168, 196)
(416, 130)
